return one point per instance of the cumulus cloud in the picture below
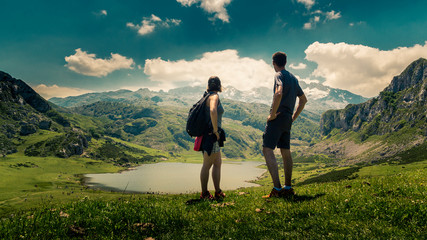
(332, 15)
(328, 16)
(241, 72)
(87, 63)
(307, 3)
(148, 24)
(298, 67)
(216, 7)
(57, 91)
(360, 69)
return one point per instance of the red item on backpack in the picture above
(198, 143)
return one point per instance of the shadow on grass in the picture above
(303, 198)
(295, 198)
(333, 176)
(194, 201)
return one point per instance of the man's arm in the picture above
(276, 102)
(302, 100)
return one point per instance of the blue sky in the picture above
(71, 47)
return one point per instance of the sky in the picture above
(68, 48)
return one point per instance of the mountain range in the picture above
(321, 98)
(152, 120)
(105, 125)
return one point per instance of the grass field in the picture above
(42, 198)
(387, 206)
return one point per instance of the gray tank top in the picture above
(220, 111)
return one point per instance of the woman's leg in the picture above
(216, 171)
(204, 173)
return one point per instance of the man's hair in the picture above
(279, 58)
(214, 84)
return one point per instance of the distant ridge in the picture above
(321, 97)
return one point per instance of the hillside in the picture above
(163, 127)
(383, 126)
(135, 117)
(31, 126)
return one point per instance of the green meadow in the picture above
(43, 198)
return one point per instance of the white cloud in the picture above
(360, 69)
(307, 26)
(57, 91)
(315, 93)
(316, 19)
(312, 23)
(87, 64)
(307, 3)
(148, 24)
(298, 67)
(216, 7)
(308, 80)
(242, 73)
(332, 15)
(100, 13)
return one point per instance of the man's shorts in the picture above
(277, 132)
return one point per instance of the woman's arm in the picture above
(213, 106)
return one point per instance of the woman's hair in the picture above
(214, 84)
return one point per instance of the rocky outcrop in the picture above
(17, 91)
(402, 102)
(27, 129)
(64, 146)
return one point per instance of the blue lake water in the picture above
(174, 178)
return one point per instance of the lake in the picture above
(167, 177)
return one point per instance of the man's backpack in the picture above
(198, 119)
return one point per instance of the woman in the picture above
(212, 141)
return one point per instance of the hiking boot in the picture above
(287, 193)
(206, 196)
(219, 195)
(274, 193)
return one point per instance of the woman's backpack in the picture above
(198, 119)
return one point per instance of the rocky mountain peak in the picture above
(17, 91)
(411, 76)
(400, 104)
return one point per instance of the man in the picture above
(279, 122)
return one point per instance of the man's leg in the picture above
(270, 160)
(287, 165)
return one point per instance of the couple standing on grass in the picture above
(276, 134)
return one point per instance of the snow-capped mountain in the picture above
(321, 97)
